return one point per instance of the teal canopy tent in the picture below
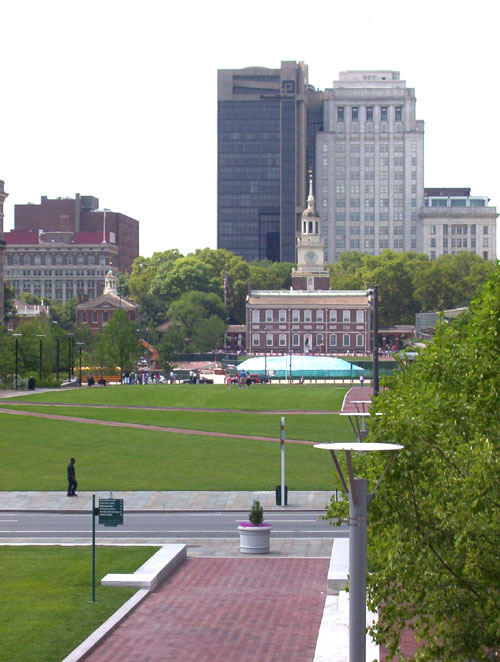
(301, 366)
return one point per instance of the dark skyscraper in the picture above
(267, 119)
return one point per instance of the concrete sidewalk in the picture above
(161, 501)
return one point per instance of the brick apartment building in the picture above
(64, 247)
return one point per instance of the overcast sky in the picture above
(117, 99)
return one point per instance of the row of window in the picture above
(459, 243)
(355, 244)
(370, 202)
(347, 340)
(334, 315)
(369, 161)
(369, 216)
(55, 272)
(48, 259)
(94, 317)
(460, 229)
(369, 113)
(340, 147)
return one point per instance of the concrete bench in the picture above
(153, 572)
(339, 566)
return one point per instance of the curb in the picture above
(158, 567)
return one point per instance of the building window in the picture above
(346, 341)
(319, 340)
(383, 113)
(282, 340)
(84, 316)
(485, 229)
(295, 315)
(26, 259)
(340, 114)
(346, 316)
(255, 316)
(359, 340)
(485, 255)
(59, 258)
(369, 113)
(333, 340)
(333, 315)
(295, 340)
(307, 315)
(269, 315)
(355, 113)
(319, 316)
(433, 243)
(255, 339)
(94, 318)
(360, 316)
(399, 113)
(269, 339)
(282, 315)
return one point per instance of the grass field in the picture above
(321, 397)
(35, 451)
(56, 583)
(311, 427)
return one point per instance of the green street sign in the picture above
(110, 512)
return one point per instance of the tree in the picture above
(117, 345)
(167, 354)
(188, 316)
(9, 309)
(209, 334)
(434, 537)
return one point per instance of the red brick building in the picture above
(97, 312)
(309, 317)
(63, 248)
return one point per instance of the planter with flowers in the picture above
(255, 534)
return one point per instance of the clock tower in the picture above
(310, 273)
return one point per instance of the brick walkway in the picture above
(239, 610)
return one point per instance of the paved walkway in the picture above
(162, 501)
(234, 610)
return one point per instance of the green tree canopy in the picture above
(434, 525)
(117, 344)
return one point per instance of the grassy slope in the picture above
(312, 427)
(56, 583)
(35, 453)
(258, 397)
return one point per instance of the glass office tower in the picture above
(263, 153)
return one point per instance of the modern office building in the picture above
(267, 121)
(63, 248)
(370, 165)
(3, 195)
(452, 221)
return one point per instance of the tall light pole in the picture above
(373, 298)
(359, 498)
(80, 358)
(70, 338)
(17, 336)
(41, 336)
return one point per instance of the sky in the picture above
(118, 99)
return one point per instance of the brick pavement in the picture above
(213, 610)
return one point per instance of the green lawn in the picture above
(35, 453)
(278, 397)
(46, 608)
(310, 427)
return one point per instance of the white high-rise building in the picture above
(370, 165)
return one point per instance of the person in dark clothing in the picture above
(72, 484)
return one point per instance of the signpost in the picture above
(110, 512)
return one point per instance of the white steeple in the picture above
(110, 283)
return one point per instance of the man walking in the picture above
(72, 484)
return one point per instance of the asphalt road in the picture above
(65, 526)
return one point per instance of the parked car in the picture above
(254, 379)
(203, 380)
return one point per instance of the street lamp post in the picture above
(80, 359)
(17, 336)
(70, 338)
(359, 498)
(57, 361)
(373, 296)
(41, 336)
